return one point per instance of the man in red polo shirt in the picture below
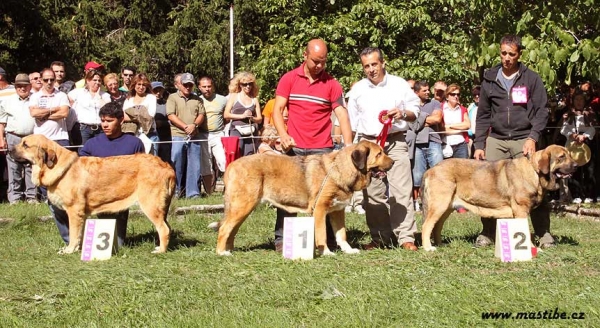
(311, 95)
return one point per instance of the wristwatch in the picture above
(404, 116)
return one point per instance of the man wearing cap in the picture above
(511, 117)
(92, 65)
(49, 107)
(185, 111)
(163, 128)
(212, 129)
(16, 123)
(127, 74)
(439, 90)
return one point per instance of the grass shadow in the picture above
(177, 241)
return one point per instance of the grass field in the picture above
(192, 287)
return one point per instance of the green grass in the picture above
(192, 287)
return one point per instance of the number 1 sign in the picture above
(98, 239)
(513, 240)
(299, 238)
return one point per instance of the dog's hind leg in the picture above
(236, 213)
(338, 223)
(157, 214)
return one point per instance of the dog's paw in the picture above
(214, 226)
(430, 249)
(352, 251)
(157, 250)
(224, 253)
(67, 250)
(327, 252)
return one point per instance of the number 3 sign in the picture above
(299, 238)
(513, 240)
(98, 239)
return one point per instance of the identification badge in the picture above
(519, 95)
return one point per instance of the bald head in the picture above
(315, 58)
(317, 47)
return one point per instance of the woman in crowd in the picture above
(243, 110)
(86, 102)
(456, 120)
(111, 81)
(140, 94)
(578, 128)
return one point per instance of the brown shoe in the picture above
(409, 246)
(279, 246)
(371, 246)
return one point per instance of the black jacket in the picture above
(510, 121)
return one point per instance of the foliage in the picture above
(452, 40)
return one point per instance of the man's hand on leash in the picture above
(287, 142)
(529, 147)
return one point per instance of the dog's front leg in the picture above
(338, 223)
(75, 232)
(321, 231)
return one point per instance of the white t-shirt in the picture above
(453, 116)
(87, 106)
(53, 129)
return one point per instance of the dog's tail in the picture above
(424, 196)
(215, 226)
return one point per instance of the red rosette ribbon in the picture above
(387, 125)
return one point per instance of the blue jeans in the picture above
(186, 155)
(427, 155)
(153, 136)
(89, 131)
(460, 151)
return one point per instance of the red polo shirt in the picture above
(310, 106)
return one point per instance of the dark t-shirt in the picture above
(101, 146)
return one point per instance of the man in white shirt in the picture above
(16, 123)
(49, 107)
(390, 217)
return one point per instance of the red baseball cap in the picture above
(93, 65)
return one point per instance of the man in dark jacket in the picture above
(512, 108)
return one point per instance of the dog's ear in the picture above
(359, 157)
(543, 161)
(50, 158)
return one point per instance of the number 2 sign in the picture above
(513, 240)
(299, 238)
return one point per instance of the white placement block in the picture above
(98, 239)
(513, 240)
(299, 238)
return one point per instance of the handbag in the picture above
(245, 129)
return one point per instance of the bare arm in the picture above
(342, 115)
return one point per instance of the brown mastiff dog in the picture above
(501, 189)
(317, 184)
(84, 186)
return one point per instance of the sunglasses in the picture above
(249, 84)
(34, 78)
(454, 94)
(48, 80)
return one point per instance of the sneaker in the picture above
(587, 200)
(577, 200)
(32, 201)
(483, 241)
(417, 206)
(348, 209)
(359, 209)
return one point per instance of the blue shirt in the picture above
(102, 146)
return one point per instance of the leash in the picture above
(321, 188)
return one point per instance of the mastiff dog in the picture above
(85, 186)
(315, 184)
(501, 189)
